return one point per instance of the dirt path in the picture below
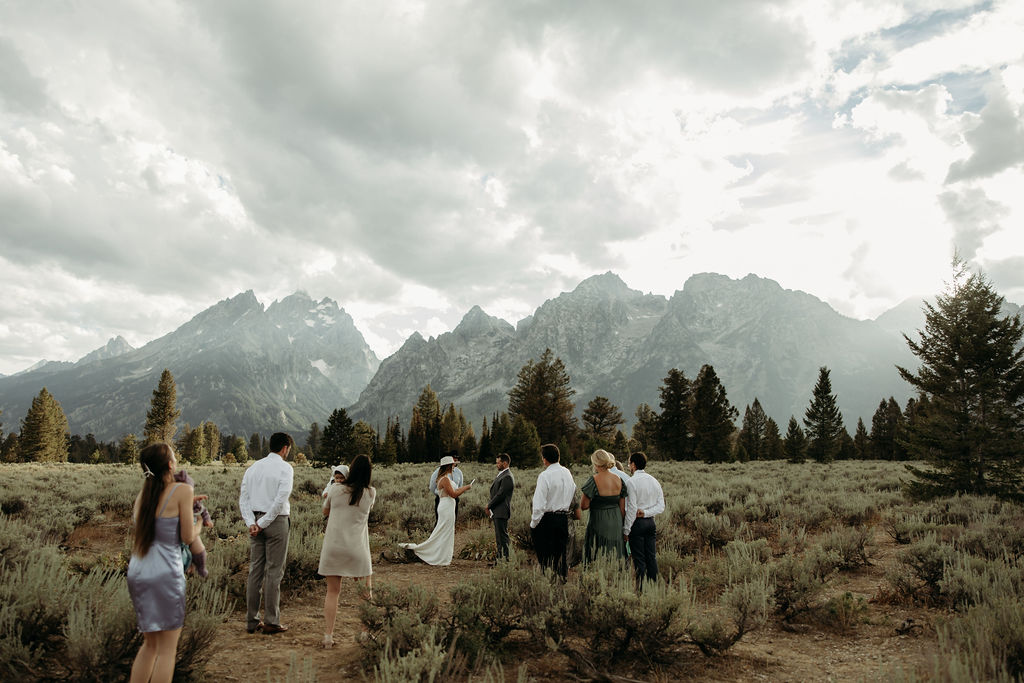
(868, 650)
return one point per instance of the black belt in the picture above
(258, 513)
(558, 512)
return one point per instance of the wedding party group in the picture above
(168, 519)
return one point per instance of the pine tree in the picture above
(886, 423)
(795, 444)
(313, 438)
(620, 446)
(773, 446)
(468, 450)
(337, 445)
(823, 420)
(389, 450)
(485, 452)
(501, 432)
(602, 419)
(363, 438)
(524, 443)
(452, 425)
(543, 395)
(211, 442)
(425, 428)
(9, 451)
(238, 451)
(752, 433)
(163, 412)
(645, 430)
(129, 449)
(44, 431)
(711, 418)
(674, 439)
(256, 447)
(862, 441)
(972, 375)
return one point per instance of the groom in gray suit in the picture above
(499, 509)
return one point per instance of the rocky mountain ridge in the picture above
(764, 342)
(244, 368)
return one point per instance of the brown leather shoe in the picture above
(257, 627)
(274, 628)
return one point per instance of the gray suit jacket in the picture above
(500, 504)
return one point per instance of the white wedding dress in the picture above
(439, 548)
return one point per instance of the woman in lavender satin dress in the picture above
(156, 576)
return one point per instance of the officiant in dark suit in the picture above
(499, 509)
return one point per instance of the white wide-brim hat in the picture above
(447, 460)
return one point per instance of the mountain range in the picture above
(243, 367)
(763, 341)
(253, 370)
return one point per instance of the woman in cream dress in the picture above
(346, 549)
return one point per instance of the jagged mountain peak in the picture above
(301, 309)
(607, 283)
(117, 346)
(477, 322)
(230, 308)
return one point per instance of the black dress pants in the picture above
(551, 541)
(641, 545)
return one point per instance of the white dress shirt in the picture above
(266, 486)
(621, 475)
(554, 493)
(646, 495)
(456, 479)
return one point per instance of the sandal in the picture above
(328, 642)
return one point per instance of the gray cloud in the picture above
(183, 151)
(997, 141)
(974, 217)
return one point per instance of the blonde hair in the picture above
(602, 459)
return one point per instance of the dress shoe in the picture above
(274, 628)
(253, 629)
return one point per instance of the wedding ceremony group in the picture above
(169, 518)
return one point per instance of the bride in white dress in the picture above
(439, 548)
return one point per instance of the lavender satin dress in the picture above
(156, 582)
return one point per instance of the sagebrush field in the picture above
(771, 571)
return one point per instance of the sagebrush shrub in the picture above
(850, 544)
(799, 579)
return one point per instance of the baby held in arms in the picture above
(198, 510)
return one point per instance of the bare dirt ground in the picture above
(885, 638)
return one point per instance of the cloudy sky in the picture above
(411, 159)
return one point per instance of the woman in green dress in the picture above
(605, 496)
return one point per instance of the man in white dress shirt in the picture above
(266, 487)
(645, 500)
(549, 523)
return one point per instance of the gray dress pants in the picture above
(267, 554)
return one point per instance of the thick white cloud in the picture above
(413, 159)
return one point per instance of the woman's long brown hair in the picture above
(358, 478)
(157, 458)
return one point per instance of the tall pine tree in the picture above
(795, 443)
(711, 418)
(971, 433)
(674, 421)
(601, 419)
(823, 420)
(163, 413)
(543, 395)
(44, 431)
(337, 444)
(752, 433)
